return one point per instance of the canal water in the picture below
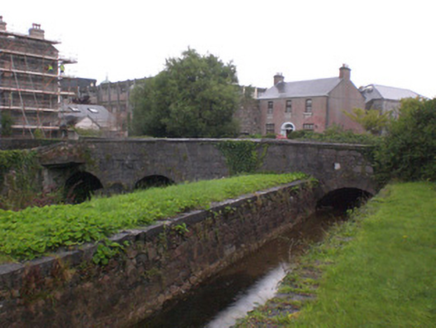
(238, 289)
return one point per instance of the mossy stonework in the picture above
(124, 162)
(145, 267)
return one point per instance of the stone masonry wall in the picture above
(162, 261)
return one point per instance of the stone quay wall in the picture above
(67, 289)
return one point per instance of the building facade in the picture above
(312, 105)
(384, 98)
(30, 73)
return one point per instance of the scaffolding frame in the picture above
(30, 78)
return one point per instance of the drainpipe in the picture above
(327, 114)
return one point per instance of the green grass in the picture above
(35, 231)
(378, 270)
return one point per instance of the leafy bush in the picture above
(408, 152)
(6, 124)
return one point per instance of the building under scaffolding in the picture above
(30, 74)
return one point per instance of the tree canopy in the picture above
(371, 120)
(194, 96)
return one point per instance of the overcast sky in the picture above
(383, 41)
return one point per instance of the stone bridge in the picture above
(122, 165)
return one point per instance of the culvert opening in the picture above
(343, 199)
(153, 181)
(80, 187)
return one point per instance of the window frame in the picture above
(288, 108)
(268, 129)
(309, 106)
(270, 108)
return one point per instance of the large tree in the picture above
(194, 96)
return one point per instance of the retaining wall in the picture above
(162, 261)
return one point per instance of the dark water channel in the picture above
(230, 294)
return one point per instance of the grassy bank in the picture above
(377, 270)
(34, 231)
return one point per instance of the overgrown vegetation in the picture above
(372, 120)
(376, 270)
(19, 171)
(335, 134)
(242, 156)
(6, 122)
(408, 152)
(34, 231)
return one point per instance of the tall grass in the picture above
(384, 277)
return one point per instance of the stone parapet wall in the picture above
(161, 262)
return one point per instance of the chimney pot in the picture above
(345, 72)
(2, 24)
(278, 78)
(36, 31)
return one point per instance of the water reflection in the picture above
(233, 292)
(256, 295)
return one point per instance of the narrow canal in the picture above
(229, 295)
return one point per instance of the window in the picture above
(93, 110)
(270, 108)
(308, 106)
(270, 128)
(74, 109)
(308, 126)
(288, 106)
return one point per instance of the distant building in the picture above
(115, 96)
(74, 117)
(312, 105)
(384, 98)
(30, 71)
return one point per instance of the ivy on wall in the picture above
(242, 156)
(18, 177)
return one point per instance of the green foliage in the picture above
(38, 134)
(107, 250)
(195, 96)
(19, 175)
(6, 124)
(88, 132)
(408, 152)
(241, 156)
(335, 134)
(181, 229)
(376, 270)
(372, 120)
(35, 231)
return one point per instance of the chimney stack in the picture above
(278, 78)
(345, 72)
(2, 24)
(36, 31)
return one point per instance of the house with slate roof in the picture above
(384, 98)
(86, 117)
(312, 105)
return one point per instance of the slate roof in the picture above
(376, 91)
(73, 113)
(309, 88)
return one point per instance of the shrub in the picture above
(408, 152)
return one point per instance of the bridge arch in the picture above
(343, 198)
(150, 181)
(80, 186)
